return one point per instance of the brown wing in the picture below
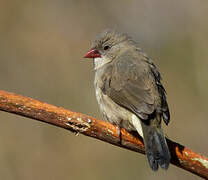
(135, 85)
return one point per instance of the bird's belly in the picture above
(114, 113)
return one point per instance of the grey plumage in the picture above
(130, 94)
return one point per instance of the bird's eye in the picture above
(106, 47)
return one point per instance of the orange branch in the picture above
(89, 126)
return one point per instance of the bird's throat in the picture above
(99, 62)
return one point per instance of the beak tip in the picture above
(87, 55)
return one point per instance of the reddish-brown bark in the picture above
(89, 126)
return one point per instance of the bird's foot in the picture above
(118, 129)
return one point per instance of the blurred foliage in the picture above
(41, 49)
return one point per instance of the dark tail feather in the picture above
(156, 147)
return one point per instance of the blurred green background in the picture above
(42, 44)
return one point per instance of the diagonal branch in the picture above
(89, 126)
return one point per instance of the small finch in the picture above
(129, 92)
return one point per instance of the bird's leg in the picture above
(118, 128)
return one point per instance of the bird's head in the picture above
(108, 45)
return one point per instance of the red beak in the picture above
(92, 53)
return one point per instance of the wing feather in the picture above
(135, 85)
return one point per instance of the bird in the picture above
(129, 92)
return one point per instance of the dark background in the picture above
(42, 44)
